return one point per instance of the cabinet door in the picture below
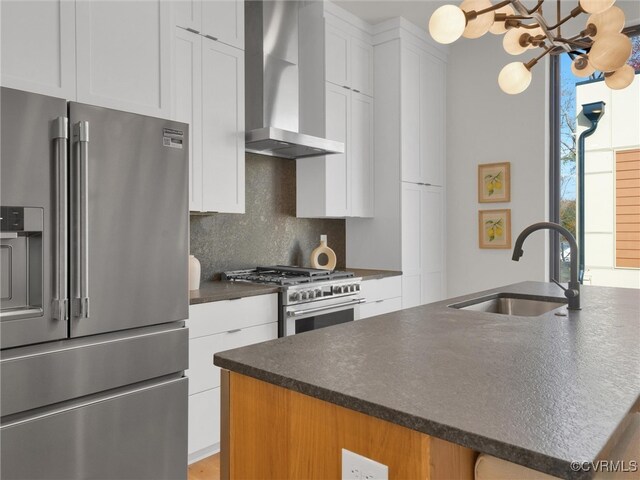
(411, 108)
(186, 105)
(361, 155)
(187, 14)
(224, 21)
(222, 128)
(432, 119)
(123, 55)
(38, 47)
(412, 250)
(337, 56)
(338, 174)
(361, 66)
(432, 244)
(204, 421)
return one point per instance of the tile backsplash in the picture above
(269, 232)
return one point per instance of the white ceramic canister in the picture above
(194, 273)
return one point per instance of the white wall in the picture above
(617, 130)
(485, 125)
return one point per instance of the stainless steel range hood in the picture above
(271, 84)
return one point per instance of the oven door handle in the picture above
(298, 313)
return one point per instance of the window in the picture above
(611, 175)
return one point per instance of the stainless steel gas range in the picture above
(309, 298)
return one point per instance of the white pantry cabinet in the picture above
(215, 327)
(124, 54)
(423, 114)
(422, 244)
(340, 185)
(408, 228)
(38, 46)
(221, 20)
(208, 93)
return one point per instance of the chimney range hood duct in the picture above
(271, 84)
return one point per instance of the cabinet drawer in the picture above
(202, 373)
(204, 420)
(381, 289)
(380, 307)
(225, 315)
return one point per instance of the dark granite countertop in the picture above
(214, 291)
(537, 391)
(372, 274)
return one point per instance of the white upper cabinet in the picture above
(361, 154)
(338, 171)
(186, 95)
(221, 20)
(187, 14)
(361, 66)
(337, 53)
(222, 128)
(124, 54)
(423, 113)
(340, 185)
(348, 59)
(38, 46)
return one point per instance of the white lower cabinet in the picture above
(382, 296)
(215, 327)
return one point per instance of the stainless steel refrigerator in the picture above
(94, 292)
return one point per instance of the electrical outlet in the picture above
(357, 467)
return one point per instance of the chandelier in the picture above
(599, 46)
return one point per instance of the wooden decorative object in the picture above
(494, 182)
(494, 228)
(273, 432)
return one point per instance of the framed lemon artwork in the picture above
(494, 228)
(494, 182)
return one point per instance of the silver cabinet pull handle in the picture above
(210, 37)
(236, 330)
(192, 30)
(60, 135)
(297, 313)
(81, 219)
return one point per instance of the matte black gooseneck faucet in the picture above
(573, 292)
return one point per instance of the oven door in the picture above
(314, 315)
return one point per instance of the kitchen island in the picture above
(424, 390)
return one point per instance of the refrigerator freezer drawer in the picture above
(40, 375)
(139, 434)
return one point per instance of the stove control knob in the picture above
(304, 295)
(357, 287)
(293, 297)
(312, 294)
(319, 293)
(298, 296)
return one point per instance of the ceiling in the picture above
(419, 11)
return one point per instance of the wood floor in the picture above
(206, 469)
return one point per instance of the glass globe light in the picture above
(514, 78)
(482, 23)
(621, 78)
(610, 52)
(610, 21)
(596, 6)
(511, 41)
(447, 24)
(581, 66)
(498, 28)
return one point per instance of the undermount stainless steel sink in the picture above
(512, 304)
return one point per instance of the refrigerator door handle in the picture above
(60, 136)
(81, 220)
